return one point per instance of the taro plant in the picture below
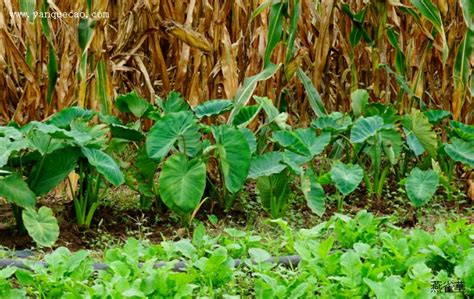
(376, 139)
(65, 143)
(220, 150)
(421, 186)
(346, 178)
(20, 156)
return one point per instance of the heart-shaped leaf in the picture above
(315, 144)
(435, 115)
(314, 193)
(233, 153)
(464, 131)
(63, 118)
(346, 177)
(42, 226)
(182, 183)
(246, 115)
(421, 186)
(366, 127)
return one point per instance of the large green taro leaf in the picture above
(182, 183)
(417, 123)
(16, 191)
(421, 186)
(366, 127)
(291, 141)
(104, 164)
(54, 169)
(233, 153)
(133, 103)
(462, 151)
(63, 118)
(213, 107)
(464, 131)
(315, 144)
(313, 193)
(346, 177)
(335, 122)
(168, 130)
(266, 164)
(42, 226)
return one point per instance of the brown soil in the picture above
(118, 225)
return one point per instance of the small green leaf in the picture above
(315, 144)
(335, 122)
(213, 107)
(359, 100)
(435, 116)
(259, 255)
(133, 103)
(314, 193)
(63, 118)
(464, 131)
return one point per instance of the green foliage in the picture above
(42, 226)
(212, 107)
(418, 125)
(462, 151)
(364, 256)
(182, 183)
(274, 191)
(421, 186)
(346, 177)
(166, 132)
(233, 153)
(16, 191)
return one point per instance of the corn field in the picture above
(412, 53)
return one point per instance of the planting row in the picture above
(209, 152)
(341, 258)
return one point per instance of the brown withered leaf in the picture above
(188, 36)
